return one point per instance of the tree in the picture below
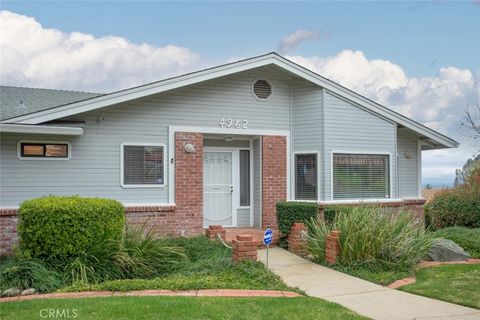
(428, 186)
(462, 175)
(471, 120)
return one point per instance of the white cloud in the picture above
(291, 41)
(32, 55)
(438, 101)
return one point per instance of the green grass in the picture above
(458, 284)
(180, 308)
(378, 276)
(468, 239)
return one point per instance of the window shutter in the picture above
(142, 165)
(306, 176)
(359, 176)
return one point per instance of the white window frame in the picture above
(19, 150)
(360, 152)
(143, 144)
(294, 187)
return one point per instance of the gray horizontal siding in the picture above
(408, 168)
(350, 128)
(94, 169)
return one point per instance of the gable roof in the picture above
(434, 138)
(20, 101)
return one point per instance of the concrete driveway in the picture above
(361, 296)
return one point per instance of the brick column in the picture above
(332, 246)
(297, 243)
(214, 230)
(274, 177)
(189, 183)
(8, 230)
(244, 248)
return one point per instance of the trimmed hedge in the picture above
(289, 212)
(456, 207)
(68, 226)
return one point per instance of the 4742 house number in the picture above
(232, 123)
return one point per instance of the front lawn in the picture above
(458, 284)
(376, 275)
(179, 308)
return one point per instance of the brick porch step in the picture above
(231, 233)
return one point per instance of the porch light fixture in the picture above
(189, 148)
(228, 138)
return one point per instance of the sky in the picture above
(421, 59)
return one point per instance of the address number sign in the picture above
(232, 123)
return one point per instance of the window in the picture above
(306, 176)
(244, 178)
(143, 165)
(361, 176)
(43, 150)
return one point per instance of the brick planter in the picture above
(297, 243)
(214, 231)
(244, 248)
(332, 246)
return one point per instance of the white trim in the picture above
(358, 201)
(171, 146)
(188, 79)
(253, 92)
(315, 152)
(148, 204)
(148, 186)
(251, 183)
(419, 168)
(19, 150)
(38, 129)
(360, 152)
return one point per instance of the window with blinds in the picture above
(306, 176)
(361, 176)
(143, 165)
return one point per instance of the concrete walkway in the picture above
(363, 297)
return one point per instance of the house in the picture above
(218, 146)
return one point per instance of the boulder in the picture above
(27, 292)
(447, 250)
(11, 292)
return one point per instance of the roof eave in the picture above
(40, 129)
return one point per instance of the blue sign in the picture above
(267, 237)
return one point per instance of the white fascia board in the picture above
(142, 91)
(170, 84)
(35, 129)
(377, 108)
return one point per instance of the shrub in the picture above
(289, 212)
(25, 273)
(371, 237)
(331, 212)
(456, 207)
(68, 226)
(468, 239)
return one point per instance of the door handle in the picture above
(231, 188)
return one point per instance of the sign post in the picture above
(267, 239)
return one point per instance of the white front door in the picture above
(218, 188)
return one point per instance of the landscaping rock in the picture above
(11, 292)
(27, 292)
(447, 250)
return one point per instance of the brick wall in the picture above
(8, 230)
(189, 184)
(274, 177)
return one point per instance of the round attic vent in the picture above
(262, 89)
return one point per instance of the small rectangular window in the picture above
(143, 165)
(361, 176)
(306, 176)
(244, 178)
(43, 150)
